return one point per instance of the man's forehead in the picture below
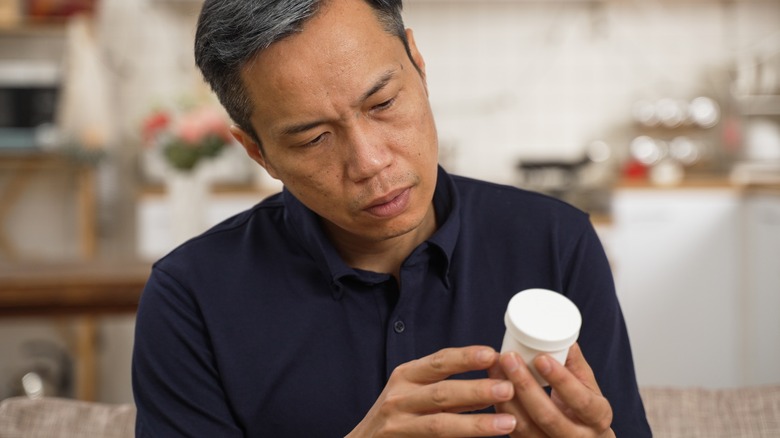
(330, 30)
(323, 58)
(325, 45)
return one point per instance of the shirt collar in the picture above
(305, 226)
(446, 202)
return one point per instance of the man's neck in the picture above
(383, 256)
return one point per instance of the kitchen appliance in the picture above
(28, 100)
(583, 182)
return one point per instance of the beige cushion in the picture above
(672, 413)
(751, 412)
(65, 418)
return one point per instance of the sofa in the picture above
(752, 412)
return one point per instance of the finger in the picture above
(524, 426)
(541, 414)
(512, 406)
(577, 365)
(495, 372)
(447, 362)
(457, 396)
(579, 398)
(459, 425)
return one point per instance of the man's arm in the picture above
(175, 382)
(603, 338)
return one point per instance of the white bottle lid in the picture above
(543, 320)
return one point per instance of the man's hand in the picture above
(576, 408)
(419, 401)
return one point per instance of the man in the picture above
(367, 298)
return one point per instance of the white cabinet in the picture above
(677, 261)
(762, 286)
(154, 236)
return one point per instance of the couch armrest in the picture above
(65, 418)
(749, 412)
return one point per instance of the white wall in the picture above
(513, 79)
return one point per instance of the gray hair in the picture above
(231, 32)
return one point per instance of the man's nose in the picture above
(366, 152)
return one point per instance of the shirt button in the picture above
(399, 326)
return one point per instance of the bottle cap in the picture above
(543, 320)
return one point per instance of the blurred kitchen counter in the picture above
(698, 182)
(80, 291)
(605, 218)
(69, 288)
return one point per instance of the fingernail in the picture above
(505, 423)
(485, 355)
(502, 391)
(543, 365)
(511, 362)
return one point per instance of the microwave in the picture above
(29, 92)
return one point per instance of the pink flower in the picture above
(154, 124)
(184, 138)
(195, 125)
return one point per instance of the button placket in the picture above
(401, 331)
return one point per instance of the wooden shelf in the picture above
(34, 27)
(71, 288)
(220, 188)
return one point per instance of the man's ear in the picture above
(416, 56)
(252, 148)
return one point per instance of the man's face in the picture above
(345, 123)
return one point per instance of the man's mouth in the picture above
(391, 204)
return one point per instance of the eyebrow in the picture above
(385, 79)
(380, 84)
(297, 129)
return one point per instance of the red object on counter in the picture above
(635, 170)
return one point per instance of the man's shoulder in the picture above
(487, 197)
(231, 236)
(237, 258)
(269, 211)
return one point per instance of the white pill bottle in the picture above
(540, 321)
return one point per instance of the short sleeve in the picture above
(176, 382)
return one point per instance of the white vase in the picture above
(188, 196)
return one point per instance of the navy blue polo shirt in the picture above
(259, 328)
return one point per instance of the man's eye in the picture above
(320, 138)
(384, 105)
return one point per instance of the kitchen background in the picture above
(661, 118)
